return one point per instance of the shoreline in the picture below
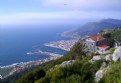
(18, 67)
(46, 44)
(63, 44)
(27, 62)
(49, 45)
(38, 53)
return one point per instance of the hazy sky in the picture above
(18, 11)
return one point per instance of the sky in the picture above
(35, 11)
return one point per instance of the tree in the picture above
(32, 76)
(107, 35)
(38, 74)
(78, 50)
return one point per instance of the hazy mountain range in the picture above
(94, 27)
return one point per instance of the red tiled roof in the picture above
(104, 46)
(97, 38)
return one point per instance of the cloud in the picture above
(46, 17)
(40, 17)
(84, 4)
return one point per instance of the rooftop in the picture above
(104, 46)
(97, 38)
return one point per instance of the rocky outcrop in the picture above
(117, 54)
(108, 57)
(96, 58)
(105, 67)
(100, 73)
(65, 63)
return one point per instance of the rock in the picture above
(98, 75)
(95, 58)
(117, 54)
(1, 77)
(103, 65)
(108, 57)
(67, 63)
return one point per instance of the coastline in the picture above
(50, 45)
(63, 44)
(18, 67)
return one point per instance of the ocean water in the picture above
(16, 41)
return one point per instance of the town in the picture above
(63, 44)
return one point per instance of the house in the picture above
(97, 43)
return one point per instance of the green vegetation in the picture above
(82, 71)
(79, 72)
(32, 76)
(94, 54)
(75, 53)
(114, 34)
(112, 50)
(113, 75)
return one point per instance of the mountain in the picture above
(94, 27)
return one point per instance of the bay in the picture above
(16, 41)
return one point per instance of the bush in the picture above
(32, 76)
(112, 50)
(80, 72)
(113, 75)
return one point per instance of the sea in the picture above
(17, 40)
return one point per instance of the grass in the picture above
(112, 50)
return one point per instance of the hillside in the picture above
(94, 27)
(46, 66)
(60, 71)
(78, 67)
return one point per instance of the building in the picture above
(97, 43)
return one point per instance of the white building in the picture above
(97, 43)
